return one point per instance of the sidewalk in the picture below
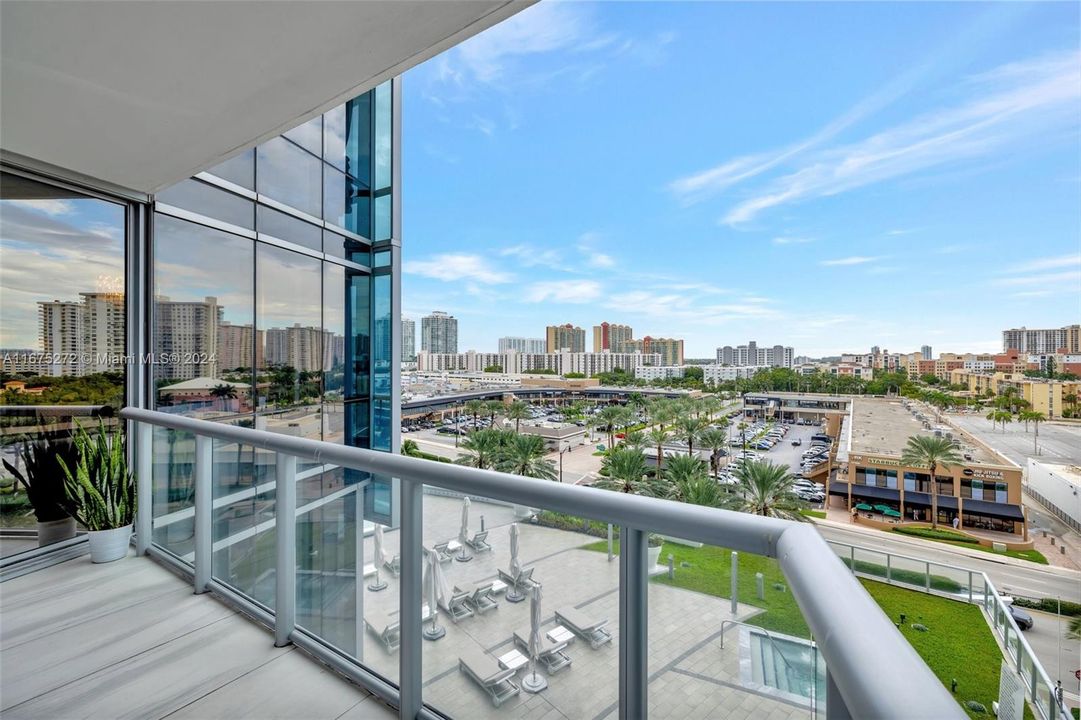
(917, 543)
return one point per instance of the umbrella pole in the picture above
(377, 584)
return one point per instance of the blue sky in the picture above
(828, 176)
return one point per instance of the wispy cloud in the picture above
(852, 260)
(563, 291)
(787, 240)
(530, 256)
(1049, 263)
(1069, 277)
(50, 206)
(457, 267)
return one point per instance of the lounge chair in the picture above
(387, 628)
(589, 629)
(445, 555)
(394, 565)
(488, 675)
(521, 582)
(457, 606)
(479, 542)
(480, 597)
(550, 654)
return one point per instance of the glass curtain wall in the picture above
(265, 309)
(62, 341)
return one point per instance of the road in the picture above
(1057, 442)
(1058, 655)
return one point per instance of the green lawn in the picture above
(944, 536)
(821, 515)
(958, 643)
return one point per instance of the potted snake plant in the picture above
(102, 491)
(43, 479)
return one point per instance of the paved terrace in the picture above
(882, 427)
(129, 639)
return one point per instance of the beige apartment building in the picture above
(1050, 397)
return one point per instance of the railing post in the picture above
(927, 579)
(889, 566)
(734, 582)
(969, 587)
(633, 623)
(409, 601)
(144, 484)
(835, 703)
(358, 542)
(285, 530)
(204, 508)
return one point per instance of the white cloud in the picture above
(563, 291)
(1049, 263)
(457, 267)
(530, 256)
(600, 260)
(852, 260)
(1073, 276)
(50, 206)
(784, 240)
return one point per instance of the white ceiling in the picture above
(144, 94)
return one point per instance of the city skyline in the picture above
(825, 214)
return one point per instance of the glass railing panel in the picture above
(376, 598)
(712, 658)
(174, 491)
(486, 620)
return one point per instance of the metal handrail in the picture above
(852, 631)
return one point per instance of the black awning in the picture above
(919, 499)
(1001, 511)
(866, 491)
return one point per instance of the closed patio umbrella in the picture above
(534, 682)
(463, 531)
(378, 558)
(513, 595)
(434, 586)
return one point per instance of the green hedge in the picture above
(1049, 605)
(932, 534)
(561, 521)
(428, 456)
(909, 577)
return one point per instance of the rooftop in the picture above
(882, 427)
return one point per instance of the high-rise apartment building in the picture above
(670, 349)
(1042, 341)
(236, 345)
(61, 331)
(409, 340)
(297, 347)
(611, 336)
(750, 355)
(522, 345)
(565, 337)
(439, 333)
(925, 352)
(79, 338)
(186, 341)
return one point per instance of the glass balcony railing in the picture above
(493, 595)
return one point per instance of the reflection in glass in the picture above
(239, 170)
(289, 228)
(382, 331)
(358, 320)
(334, 137)
(213, 202)
(291, 176)
(334, 300)
(334, 196)
(346, 248)
(308, 136)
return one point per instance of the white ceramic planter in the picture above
(54, 531)
(653, 554)
(109, 545)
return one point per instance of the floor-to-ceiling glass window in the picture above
(62, 341)
(267, 258)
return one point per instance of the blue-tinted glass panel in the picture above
(289, 228)
(381, 259)
(334, 137)
(239, 170)
(309, 136)
(382, 332)
(381, 430)
(213, 202)
(382, 139)
(358, 422)
(335, 297)
(358, 341)
(291, 176)
(334, 196)
(345, 247)
(382, 229)
(358, 139)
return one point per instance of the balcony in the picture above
(669, 652)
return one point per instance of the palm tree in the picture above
(1073, 629)
(715, 439)
(742, 427)
(1070, 399)
(658, 436)
(931, 452)
(609, 416)
(682, 468)
(1036, 418)
(474, 408)
(635, 439)
(493, 408)
(524, 455)
(410, 448)
(688, 429)
(1004, 417)
(765, 489)
(223, 392)
(626, 469)
(689, 483)
(517, 411)
(482, 448)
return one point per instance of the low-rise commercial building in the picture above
(797, 407)
(982, 492)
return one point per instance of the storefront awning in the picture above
(1001, 511)
(865, 491)
(918, 499)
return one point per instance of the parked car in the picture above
(1023, 619)
(797, 442)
